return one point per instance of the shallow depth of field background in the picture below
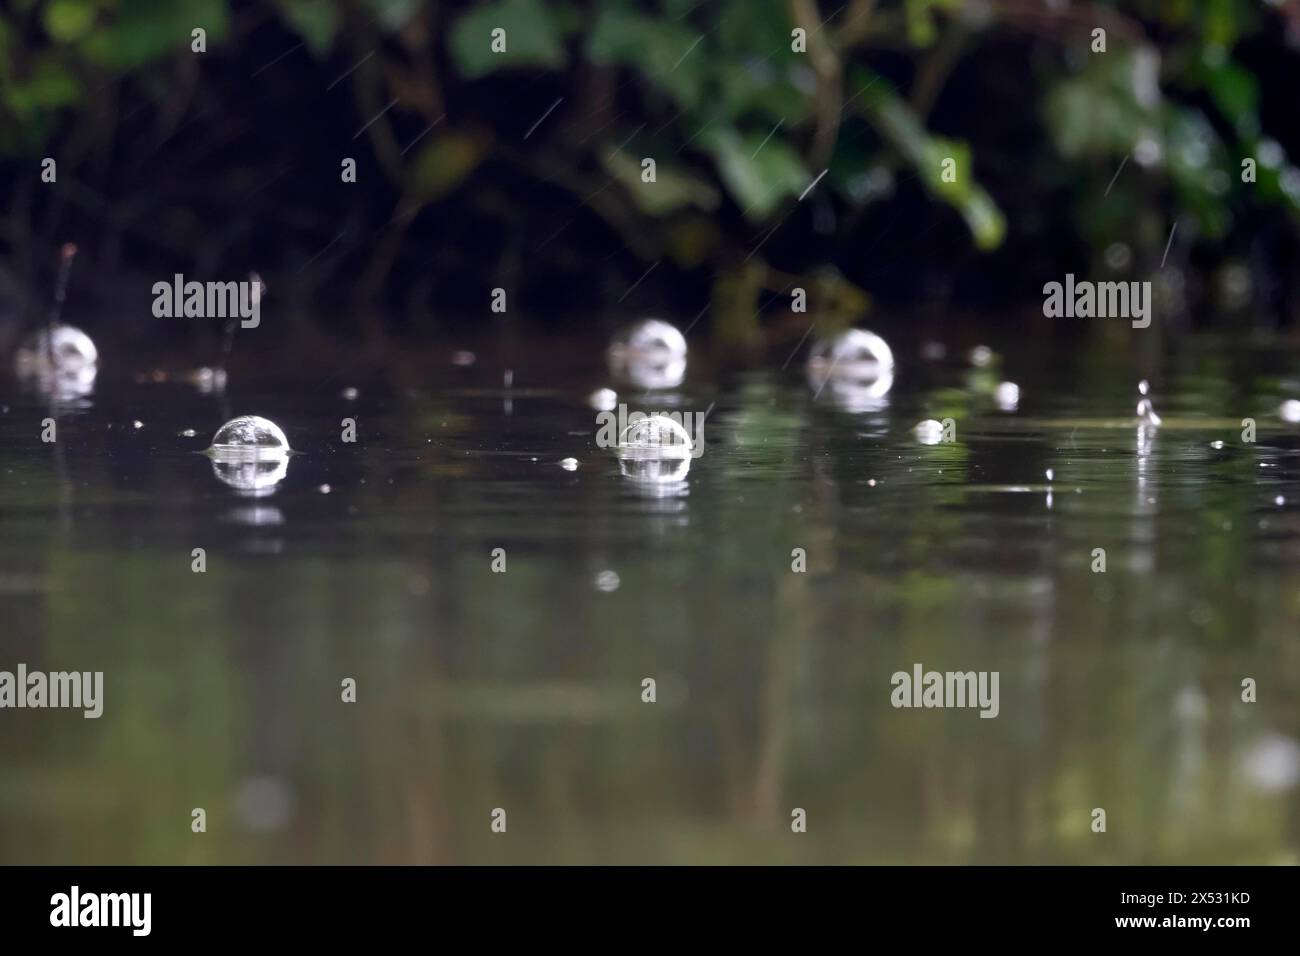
(522, 171)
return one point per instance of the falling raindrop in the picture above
(981, 356)
(607, 581)
(1290, 411)
(603, 399)
(1007, 396)
(350, 394)
(569, 464)
(649, 354)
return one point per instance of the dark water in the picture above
(522, 690)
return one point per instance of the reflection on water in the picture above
(1120, 689)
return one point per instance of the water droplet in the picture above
(189, 433)
(981, 356)
(1143, 387)
(1147, 414)
(1051, 475)
(137, 424)
(1216, 445)
(324, 489)
(463, 359)
(1290, 411)
(649, 354)
(603, 399)
(607, 581)
(1007, 396)
(929, 432)
(569, 464)
(349, 394)
(249, 436)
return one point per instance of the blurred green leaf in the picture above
(759, 176)
(531, 39)
(68, 20)
(316, 21)
(927, 154)
(444, 163)
(673, 189)
(667, 53)
(147, 30)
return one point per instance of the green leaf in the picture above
(444, 163)
(927, 154)
(669, 54)
(759, 176)
(316, 21)
(673, 189)
(148, 30)
(531, 38)
(68, 20)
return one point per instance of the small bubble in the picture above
(929, 432)
(607, 581)
(1007, 396)
(250, 436)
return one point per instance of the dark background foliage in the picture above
(1067, 158)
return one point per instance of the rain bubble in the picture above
(1007, 396)
(929, 432)
(658, 436)
(649, 354)
(250, 454)
(858, 368)
(62, 362)
(63, 348)
(249, 437)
